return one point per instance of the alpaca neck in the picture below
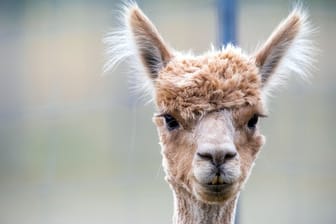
(189, 210)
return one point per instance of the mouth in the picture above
(215, 191)
(217, 180)
(217, 184)
(217, 187)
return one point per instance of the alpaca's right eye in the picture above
(171, 122)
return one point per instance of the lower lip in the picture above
(217, 188)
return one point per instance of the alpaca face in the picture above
(213, 157)
(208, 122)
(208, 106)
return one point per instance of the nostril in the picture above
(218, 158)
(217, 155)
(230, 155)
(205, 156)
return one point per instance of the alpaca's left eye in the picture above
(251, 124)
(171, 122)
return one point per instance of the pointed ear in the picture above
(287, 50)
(139, 43)
(153, 52)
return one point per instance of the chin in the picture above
(215, 194)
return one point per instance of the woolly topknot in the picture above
(191, 87)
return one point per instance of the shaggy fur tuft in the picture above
(210, 82)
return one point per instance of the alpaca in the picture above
(208, 107)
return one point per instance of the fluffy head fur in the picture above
(208, 107)
(194, 86)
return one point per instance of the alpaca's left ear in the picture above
(287, 50)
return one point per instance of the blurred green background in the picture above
(76, 147)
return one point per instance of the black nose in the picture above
(218, 155)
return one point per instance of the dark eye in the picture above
(171, 122)
(251, 124)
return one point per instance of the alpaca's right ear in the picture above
(138, 41)
(153, 52)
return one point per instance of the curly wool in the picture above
(192, 86)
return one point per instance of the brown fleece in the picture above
(193, 86)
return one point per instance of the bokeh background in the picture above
(77, 147)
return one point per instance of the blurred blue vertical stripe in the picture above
(227, 21)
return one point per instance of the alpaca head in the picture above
(208, 106)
